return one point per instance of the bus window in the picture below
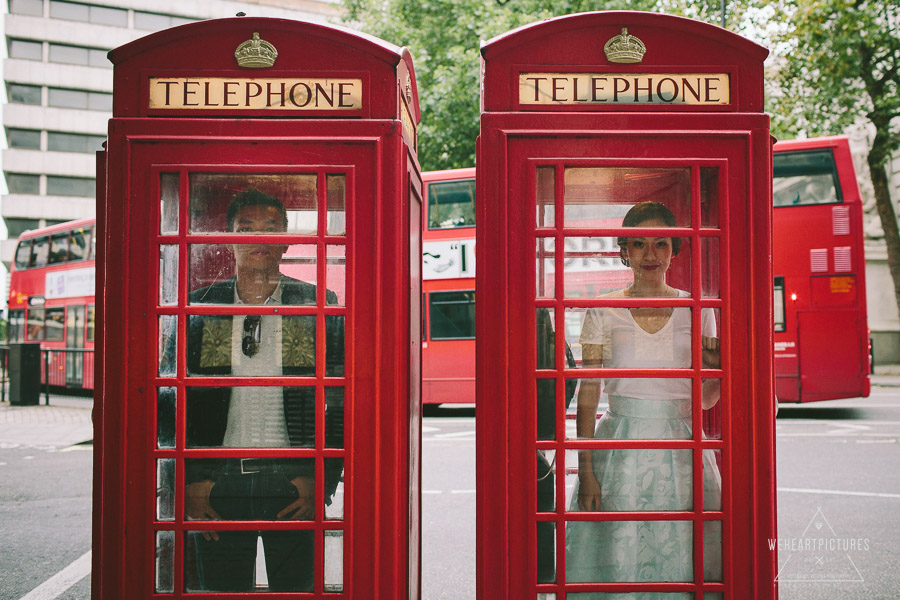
(452, 315)
(779, 304)
(40, 247)
(89, 324)
(806, 178)
(59, 248)
(54, 324)
(16, 330)
(451, 204)
(80, 244)
(35, 332)
(23, 253)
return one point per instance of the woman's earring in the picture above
(623, 259)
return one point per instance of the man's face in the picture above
(258, 257)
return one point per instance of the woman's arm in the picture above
(586, 422)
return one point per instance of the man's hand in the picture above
(197, 506)
(304, 506)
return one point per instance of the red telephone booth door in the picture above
(617, 458)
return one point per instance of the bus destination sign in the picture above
(698, 89)
(276, 93)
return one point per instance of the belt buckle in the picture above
(248, 469)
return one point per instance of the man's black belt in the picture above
(252, 466)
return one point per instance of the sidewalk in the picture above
(886, 376)
(68, 418)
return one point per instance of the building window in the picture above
(74, 142)
(155, 22)
(99, 15)
(71, 186)
(76, 55)
(16, 227)
(55, 325)
(82, 99)
(27, 139)
(452, 315)
(451, 204)
(21, 183)
(34, 8)
(25, 49)
(23, 94)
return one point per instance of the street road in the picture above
(837, 467)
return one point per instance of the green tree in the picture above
(838, 65)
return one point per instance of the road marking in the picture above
(59, 583)
(838, 492)
(455, 434)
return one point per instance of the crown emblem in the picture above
(624, 48)
(256, 53)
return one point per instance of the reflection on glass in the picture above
(600, 196)
(545, 268)
(593, 267)
(334, 346)
(165, 417)
(165, 489)
(334, 560)
(546, 478)
(549, 596)
(545, 339)
(712, 416)
(335, 510)
(337, 205)
(546, 552)
(213, 268)
(334, 417)
(165, 562)
(546, 194)
(709, 196)
(168, 275)
(451, 204)
(710, 267)
(228, 563)
(251, 417)
(212, 194)
(546, 409)
(336, 272)
(606, 551)
(168, 345)
(168, 203)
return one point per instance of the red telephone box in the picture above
(259, 413)
(624, 317)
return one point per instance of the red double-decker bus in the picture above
(51, 300)
(822, 347)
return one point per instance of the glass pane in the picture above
(168, 275)
(68, 10)
(28, 139)
(67, 98)
(40, 249)
(253, 203)
(334, 506)
(633, 338)
(643, 596)
(69, 55)
(100, 101)
(546, 194)
(593, 267)
(109, 16)
(334, 417)
(629, 551)
(807, 177)
(168, 345)
(55, 325)
(336, 274)
(545, 338)
(452, 315)
(248, 345)
(546, 480)
(601, 196)
(19, 183)
(165, 489)
(451, 204)
(228, 562)
(165, 562)
(89, 327)
(25, 50)
(334, 347)
(546, 409)
(34, 8)
(545, 268)
(712, 501)
(249, 489)
(709, 196)
(71, 186)
(334, 560)
(710, 267)
(272, 274)
(150, 21)
(251, 417)
(80, 243)
(546, 552)
(168, 201)
(23, 94)
(23, 254)
(337, 204)
(35, 325)
(165, 417)
(779, 300)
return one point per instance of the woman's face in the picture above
(649, 257)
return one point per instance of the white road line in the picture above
(838, 492)
(59, 583)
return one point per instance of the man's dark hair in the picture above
(648, 211)
(253, 197)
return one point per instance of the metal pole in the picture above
(47, 377)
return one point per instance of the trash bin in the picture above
(24, 374)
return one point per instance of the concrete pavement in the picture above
(65, 422)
